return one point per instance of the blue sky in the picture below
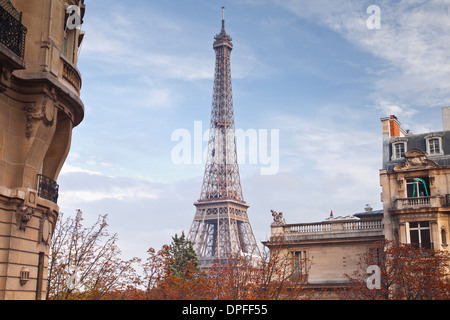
(310, 69)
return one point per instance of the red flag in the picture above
(331, 214)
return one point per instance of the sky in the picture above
(311, 80)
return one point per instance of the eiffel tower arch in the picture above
(221, 227)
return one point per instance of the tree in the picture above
(406, 272)
(172, 273)
(182, 277)
(85, 262)
(182, 257)
(274, 276)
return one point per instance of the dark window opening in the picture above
(420, 234)
(300, 261)
(418, 187)
(40, 276)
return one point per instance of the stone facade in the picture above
(330, 247)
(39, 106)
(415, 183)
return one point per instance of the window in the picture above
(418, 187)
(300, 263)
(434, 144)
(398, 150)
(40, 276)
(443, 237)
(419, 233)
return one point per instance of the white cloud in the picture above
(81, 185)
(389, 108)
(336, 162)
(117, 193)
(68, 168)
(413, 40)
(143, 213)
(125, 41)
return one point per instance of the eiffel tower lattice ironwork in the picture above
(221, 227)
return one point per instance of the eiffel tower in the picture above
(221, 227)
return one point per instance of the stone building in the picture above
(415, 182)
(330, 248)
(415, 185)
(39, 106)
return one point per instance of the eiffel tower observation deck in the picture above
(221, 228)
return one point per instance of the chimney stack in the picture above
(392, 127)
(446, 118)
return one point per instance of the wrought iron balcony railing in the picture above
(12, 33)
(47, 188)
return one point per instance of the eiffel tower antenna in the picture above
(223, 18)
(221, 227)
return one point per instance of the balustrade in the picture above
(333, 226)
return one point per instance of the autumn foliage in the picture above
(85, 263)
(174, 273)
(407, 273)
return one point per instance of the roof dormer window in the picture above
(398, 150)
(434, 144)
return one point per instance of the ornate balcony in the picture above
(332, 229)
(71, 74)
(420, 202)
(12, 33)
(344, 225)
(47, 188)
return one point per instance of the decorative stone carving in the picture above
(415, 160)
(45, 229)
(24, 276)
(278, 219)
(4, 79)
(339, 218)
(46, 114)
(24, 215)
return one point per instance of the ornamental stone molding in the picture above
(24, 215)
(45, 227)
(278, 219)
(46, 113)
(415, 159)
